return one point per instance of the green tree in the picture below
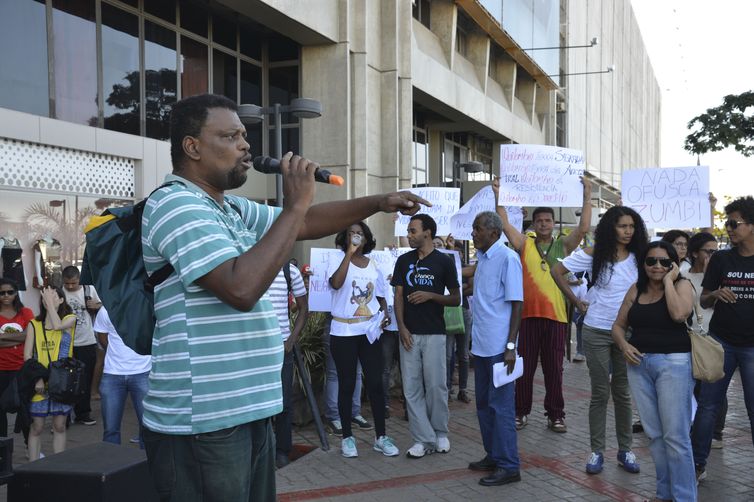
(730, 124)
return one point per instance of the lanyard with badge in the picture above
(543, 254)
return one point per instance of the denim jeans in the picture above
(711, 396)
(458, 344)
(331, 385)
(496, 411)
(237, 463)
(114, 390)
(660, 385)
(390, 354)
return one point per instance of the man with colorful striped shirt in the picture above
(217, 351)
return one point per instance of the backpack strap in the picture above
(287, 274)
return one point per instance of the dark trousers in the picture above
(5, 378)
(234, 464)
(87, 354)
(542, 339)
(390, 353)
(283, 440)
(494, 409)
(346, 352)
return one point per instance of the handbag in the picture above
(707, 355)
(66, 383)
(454, 320)
(10, 400)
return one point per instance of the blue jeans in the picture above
(662, 386)
(711, 396)
(114, 390)
(331, 385)
(237, 463)
(496, 411)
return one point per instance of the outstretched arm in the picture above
(515, 237)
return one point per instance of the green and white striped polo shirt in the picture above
(213, 366)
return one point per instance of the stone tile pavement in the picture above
(552, 464)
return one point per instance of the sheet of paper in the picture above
(500, 374)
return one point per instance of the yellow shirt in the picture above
(55, 339)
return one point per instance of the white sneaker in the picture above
(348, 447)
(385, 445)
(717, 444)
(443, 445)
(418, 451)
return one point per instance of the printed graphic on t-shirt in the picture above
(361, 297)
(419, 277)
(741, 283)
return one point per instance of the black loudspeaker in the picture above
(99, 472)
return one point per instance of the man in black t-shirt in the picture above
(728, 285)
(420, 278)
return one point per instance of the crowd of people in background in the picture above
(633, 301)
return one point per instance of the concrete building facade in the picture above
(410, 91)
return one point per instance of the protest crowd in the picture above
(214, 398)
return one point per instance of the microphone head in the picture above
(335, 180)
(266, 165)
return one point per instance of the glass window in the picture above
(282, 49)
(251, 84)
(164, 9)
(251, 43)
(419, 159)
(224, 32)
(224, 74)
(120, 70)
(289, 141)
(421, 11)
(284, 88)
(23, 59)
(160, 79)
(194, 17)
(75, 54)
(194, 68)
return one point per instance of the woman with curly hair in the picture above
(357, 297)
(619, 238)
(680, 241)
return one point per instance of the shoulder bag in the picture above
(707, 355)
(66, 383)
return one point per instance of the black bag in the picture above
(67, 382)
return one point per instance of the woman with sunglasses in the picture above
(619, 238)
(13, 320)
(728, 287)
(659, 366)
(49, 337)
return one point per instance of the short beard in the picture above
(236, 178)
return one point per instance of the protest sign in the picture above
(445, 203)
(320, 296)
(540, 175)
(483, 200)
(457, 259)
(671, 197)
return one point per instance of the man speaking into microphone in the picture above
(217, 350)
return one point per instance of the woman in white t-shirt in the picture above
(358, 302)
(619, 238)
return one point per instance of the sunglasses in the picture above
(733, 224)
(7, 293)
(651, 261)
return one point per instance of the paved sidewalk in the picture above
(552, 464)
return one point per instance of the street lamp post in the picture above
(303, 108)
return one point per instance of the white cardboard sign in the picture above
(445, 202)
(483, 200)
(540, 175)
(670, 197)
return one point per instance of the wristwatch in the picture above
(510, 346)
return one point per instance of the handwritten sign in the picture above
(483, 200)
(457, 259)
(445, 202)
(320, 295)
(540, 175)
(671, 197)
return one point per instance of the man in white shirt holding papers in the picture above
(498, 297)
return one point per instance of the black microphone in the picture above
(268, 165)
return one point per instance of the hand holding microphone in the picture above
(268, 165)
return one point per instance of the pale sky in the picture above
(700, 52)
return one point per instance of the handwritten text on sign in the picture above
(445, 203)
(540, 175)
(672, 197)
(483, 200)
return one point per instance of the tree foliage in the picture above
(726, 125)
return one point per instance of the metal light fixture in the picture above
(303, 108)
(595, 41)
(610, 69)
